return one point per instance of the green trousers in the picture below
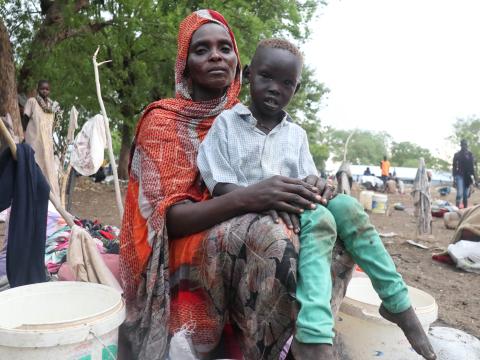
(345, 217)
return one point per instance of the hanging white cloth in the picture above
(89, 147)
(73, 124)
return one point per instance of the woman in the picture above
(38, 119)
(200, 254)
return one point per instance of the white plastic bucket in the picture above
(60, 320)
(366, 198)
(379, 203)
(366, 335)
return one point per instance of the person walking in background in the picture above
(385, 167)
(38, 121)
(463, 171)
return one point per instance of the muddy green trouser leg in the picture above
(314, 286)
(366, 248)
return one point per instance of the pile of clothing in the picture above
(464, 251)
(58, 237)
(441, 207)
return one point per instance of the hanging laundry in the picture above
(89, 147)
(25, 189)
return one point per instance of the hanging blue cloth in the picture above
(24, 188)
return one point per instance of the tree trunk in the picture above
(8, 86)
(124, 152)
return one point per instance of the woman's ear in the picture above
(246, 74)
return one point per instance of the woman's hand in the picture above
(326, 190)
(279, 193)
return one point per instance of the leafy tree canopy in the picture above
(55, 40)
(365, 147)
(407, 154)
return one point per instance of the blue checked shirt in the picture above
(236, 152)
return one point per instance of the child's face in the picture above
(44, 90)
(274, 76)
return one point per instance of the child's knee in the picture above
(344, 207)
(320, 218)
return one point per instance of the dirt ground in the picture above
(456, 292)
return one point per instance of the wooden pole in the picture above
(13, 148)
(118, 195)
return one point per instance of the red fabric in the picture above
(443, 258)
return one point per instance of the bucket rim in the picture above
(10, 294)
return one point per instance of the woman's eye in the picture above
(226, 49)
(200, 51)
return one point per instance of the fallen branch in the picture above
(118, 195)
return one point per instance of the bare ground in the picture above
(456, 292)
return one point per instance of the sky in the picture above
(407, 67)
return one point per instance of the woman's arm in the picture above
(279, 193)
(189, 218)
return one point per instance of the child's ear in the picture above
(299, 85)
(246, 74)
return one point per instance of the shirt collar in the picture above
(247, 115)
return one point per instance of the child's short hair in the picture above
(277, 43)
(41, 82)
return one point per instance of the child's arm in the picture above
(213, 160)
(224, 188)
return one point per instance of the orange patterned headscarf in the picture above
(163, 167)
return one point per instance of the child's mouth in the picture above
(271, 103)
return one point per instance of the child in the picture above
(247, 145)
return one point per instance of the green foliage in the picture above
(407, 154)
(365, 147)
(141, 42)
(468, 129)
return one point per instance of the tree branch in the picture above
(86, 29)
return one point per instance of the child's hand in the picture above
(292, 221)
(325, 188)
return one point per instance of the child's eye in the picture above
(265, 75)
(288, 82)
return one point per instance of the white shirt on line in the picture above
(235, 151)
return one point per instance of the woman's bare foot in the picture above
(411, 327)
(303, 351)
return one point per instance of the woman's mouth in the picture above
(217, 71)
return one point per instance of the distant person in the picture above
(37, 121)
(367, 172)
(385, 168)
(463, 170)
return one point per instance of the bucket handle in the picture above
(103, 344)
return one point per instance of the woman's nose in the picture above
(215, 55)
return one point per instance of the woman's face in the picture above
(211, 63)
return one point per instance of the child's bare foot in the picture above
(411, 327)
(303, 351)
